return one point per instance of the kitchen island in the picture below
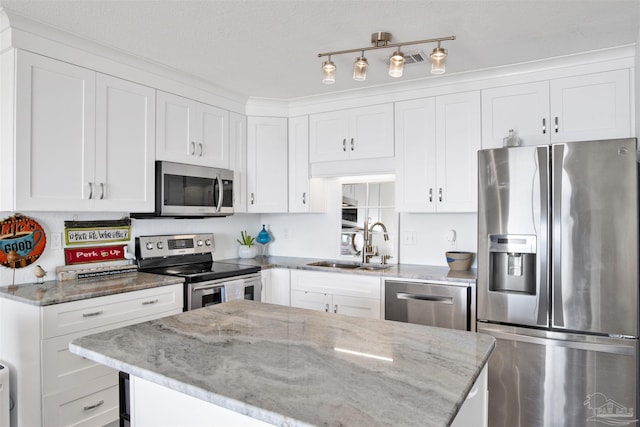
(296, 367)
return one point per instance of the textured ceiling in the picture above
(268, 48)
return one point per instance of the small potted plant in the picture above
(247, 249)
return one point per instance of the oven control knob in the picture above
(199, 243)
(207, 242)
(149, 246)
(159, 245)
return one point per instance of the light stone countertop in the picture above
(402, 271)
(58, 292)
(286, 366)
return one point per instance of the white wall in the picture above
(226, 231)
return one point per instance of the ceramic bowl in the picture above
(459, 260)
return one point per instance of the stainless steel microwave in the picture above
(193, 191)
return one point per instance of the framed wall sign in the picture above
(25, 237)
(93, 254)
(92, 232)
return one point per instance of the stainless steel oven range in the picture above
(190, 256)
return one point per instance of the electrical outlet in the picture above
(56, 240)
(409, 237)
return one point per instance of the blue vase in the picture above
(263, 236)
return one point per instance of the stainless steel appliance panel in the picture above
(540, 378)
(202, 294)
(513, 254)
(595, 237)
(445, 306)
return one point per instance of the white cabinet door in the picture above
(54, 134)
(592, 106)
(436, 161)
(523, 108)
(305, 194)
(267, 164)
(275, 285)
(125, 145)
(211, 127)
(415, 155)
(311, 300)
(191, 132)
(457, 145)
(371, 132)
(358, 307)
(357, 133)
(238, 159)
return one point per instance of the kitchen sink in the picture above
(349, 266)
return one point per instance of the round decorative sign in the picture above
(25, 237)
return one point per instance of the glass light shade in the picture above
(328, 72)
(360, 69)
(438, 57)
(396, 64)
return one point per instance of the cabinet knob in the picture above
(544, 125)
(304, 198)
(91, 190)
(344, 144)
(352, 146)
(326, 308)
(252, 198)
(556, 123)
(335, 308)
(193, 148)
(94, 406)
(200, 147)
(440, 194)
(101, 190)
(431, 195)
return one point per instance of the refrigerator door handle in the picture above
(543, 251)
(556, 234)
(627, 350)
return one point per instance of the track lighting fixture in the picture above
(381, 40)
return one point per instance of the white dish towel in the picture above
(233, 290)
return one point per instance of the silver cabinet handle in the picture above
(326, 308)
(335, 308)
(430, 195)
(352, 147)
(93, 314)
(94, 406)
(91, 190)
(153, 301)
(544, 125)
(440, 194)
(193, 148)
(344, 144)
(101, 190)
(200, 146)
(421, 297)
(252, 198)
(556, 123)
(304, 198)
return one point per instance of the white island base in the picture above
(153, 405)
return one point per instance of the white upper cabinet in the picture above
(523, 108)
(585, 107)
(84, 141)
(305, 194)
(238, 159)
(357, 133)
(437, 140)
(191, 132)
(267, 177)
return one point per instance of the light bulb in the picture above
(438, 56)
(396, 64)
(360, 69)
(328, 72)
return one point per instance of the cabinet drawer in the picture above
(355, 285)
(94, 405)
(62, 319)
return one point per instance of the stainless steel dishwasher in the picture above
(426, 303)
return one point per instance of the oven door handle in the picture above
(208, 286)
(220, 193)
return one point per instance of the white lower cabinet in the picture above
(275, 286)
(350, 294)
(52, 386)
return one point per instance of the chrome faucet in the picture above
(369, 251)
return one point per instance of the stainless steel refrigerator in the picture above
(558, 282)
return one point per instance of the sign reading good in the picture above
(93, 254)
(25, 237)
